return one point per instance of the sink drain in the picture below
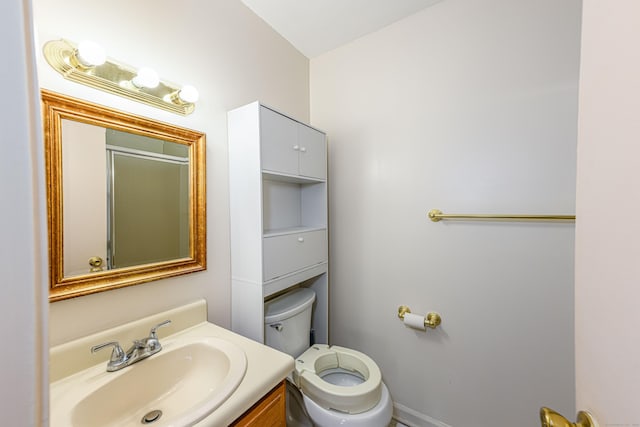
(151, 417)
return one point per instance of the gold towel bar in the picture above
(435, 215)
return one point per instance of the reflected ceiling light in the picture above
(87, 64)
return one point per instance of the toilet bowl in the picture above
(378, 416)
(339, 386)
(297, 414)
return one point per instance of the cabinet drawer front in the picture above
(313, 152)
(280, 148)
(291, 252)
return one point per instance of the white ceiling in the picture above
(316, 27)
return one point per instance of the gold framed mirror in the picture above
(126, 198)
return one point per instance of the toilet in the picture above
(330, 385)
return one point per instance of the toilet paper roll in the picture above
(414, 321)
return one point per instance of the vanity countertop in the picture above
(266, 367)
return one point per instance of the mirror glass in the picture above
(125, 197)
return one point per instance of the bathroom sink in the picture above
(186, 381)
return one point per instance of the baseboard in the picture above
(412, 418)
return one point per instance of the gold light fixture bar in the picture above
(435, 215)
(113, 77)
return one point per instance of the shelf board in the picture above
(281, 283)
(278, 176)
(291, 230)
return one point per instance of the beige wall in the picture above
(84, 165)
(469, 107)
(233, 58)
(607, 233)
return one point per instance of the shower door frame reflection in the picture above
(156, 229)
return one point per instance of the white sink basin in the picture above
(187, 381)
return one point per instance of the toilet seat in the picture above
(349, 399)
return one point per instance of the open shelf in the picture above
(287, 206)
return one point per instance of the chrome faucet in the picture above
(141, 349)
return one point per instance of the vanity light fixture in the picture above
(90, 54)
(188, 93)
(88, 64)
(146, 78)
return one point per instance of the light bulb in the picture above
(146, 77)
(91, 54)
(189, 93)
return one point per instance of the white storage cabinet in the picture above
(278, 203)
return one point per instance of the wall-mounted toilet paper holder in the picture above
(431, 320)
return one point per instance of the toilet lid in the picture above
(350, 399)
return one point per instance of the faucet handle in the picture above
(117, 355)
(152, 333)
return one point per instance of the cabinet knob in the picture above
(296, 147)
(303, 149)
(300, 239)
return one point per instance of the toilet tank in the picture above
(287, 321)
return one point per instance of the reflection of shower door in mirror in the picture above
(145, 224)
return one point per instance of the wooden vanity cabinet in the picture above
(270, 411)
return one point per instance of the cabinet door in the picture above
(313, 152)
(279, 139)
(268, 412)
(291, 252)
